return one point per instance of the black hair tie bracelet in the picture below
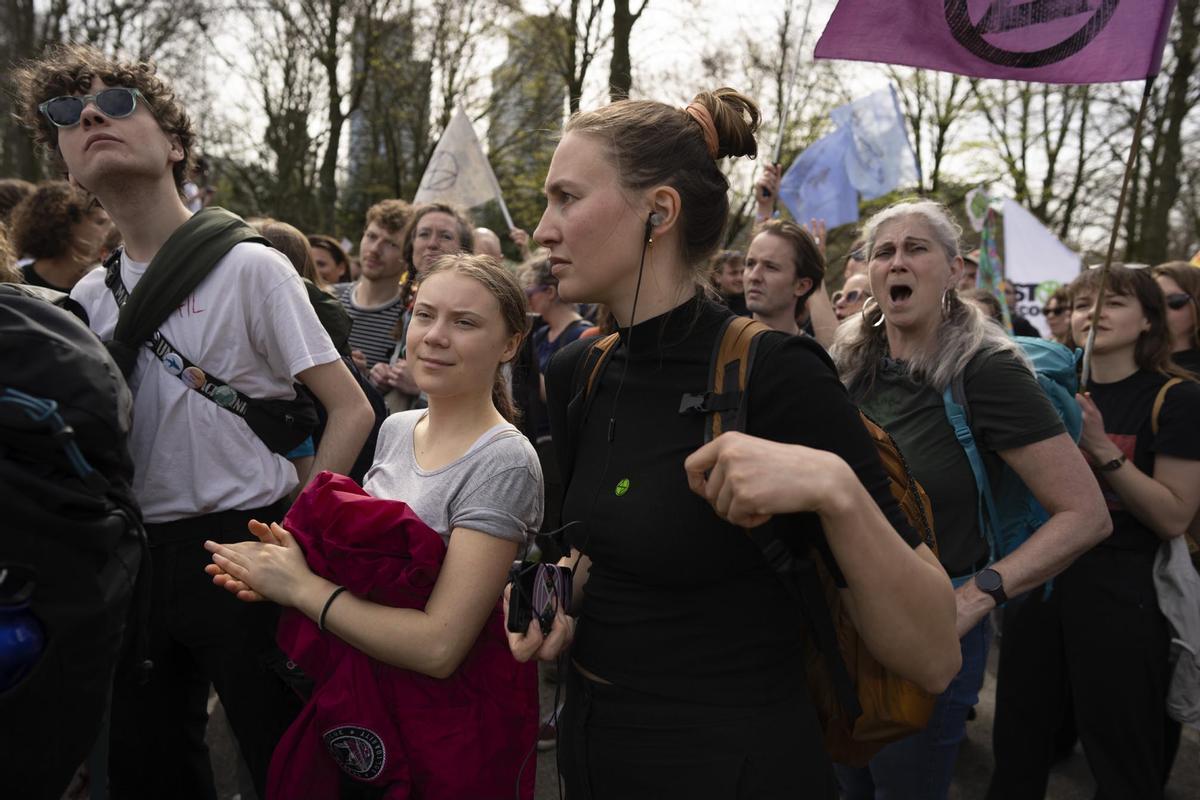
(332, 596)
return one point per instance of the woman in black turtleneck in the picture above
(686, 676)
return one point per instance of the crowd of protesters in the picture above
(499, 412)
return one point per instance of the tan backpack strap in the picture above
(601, 348)
(1159, 399)
(732, 364)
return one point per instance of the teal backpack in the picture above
(1010, 514)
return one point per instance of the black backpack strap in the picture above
(728, 376)
(280, 424)
(179, 266)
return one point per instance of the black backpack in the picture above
(71, 522)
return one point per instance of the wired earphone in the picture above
(653, 220)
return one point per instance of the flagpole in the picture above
(787, 104)
(491, 175)
(1112, 239)
(503, 207)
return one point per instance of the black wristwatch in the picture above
(990, 582)
(1110, 466)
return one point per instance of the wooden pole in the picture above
(1112, 239)
(787, 103)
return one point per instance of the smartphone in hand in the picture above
(538, 590)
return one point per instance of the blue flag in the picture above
(817, 185)
(881, 158)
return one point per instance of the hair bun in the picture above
(736, 119)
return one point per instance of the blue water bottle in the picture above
(21, 637)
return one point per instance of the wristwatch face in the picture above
(988, 580)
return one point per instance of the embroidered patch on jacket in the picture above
(358, 751)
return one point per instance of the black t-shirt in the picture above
(1007, 410)
(736, 303)
(32, 278)
(680, 603)
(1023, 327)
(1126, 406)
(1189, 360)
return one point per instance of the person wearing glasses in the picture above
(201, 473)
(856, 260)
(432, 231)
(1058, 316)
(853, 295)
(1180, 282)
(1100, 634)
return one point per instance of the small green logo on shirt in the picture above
(622, 487)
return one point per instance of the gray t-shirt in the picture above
(494, 488)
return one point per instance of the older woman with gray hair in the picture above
(912, 340)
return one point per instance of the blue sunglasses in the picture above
(115, 103)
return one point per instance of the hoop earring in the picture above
(868, 306)
(948, 303)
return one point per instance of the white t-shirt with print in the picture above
(249, 323)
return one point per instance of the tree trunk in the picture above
(18, 154)
(1152, 243)
(328, 191)
(1072, 200)
(620, 75)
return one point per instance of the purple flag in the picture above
(1052, 41)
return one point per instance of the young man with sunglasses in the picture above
(120, 133)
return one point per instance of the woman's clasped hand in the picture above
(268, 569)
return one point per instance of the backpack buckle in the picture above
(695, 403)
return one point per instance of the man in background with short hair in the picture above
(373, 301)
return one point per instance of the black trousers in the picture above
(1101, 636)
(618, 744)
(199, 633)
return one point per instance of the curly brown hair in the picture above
(391, 215)
(41, 223)
(12, 191)
(71, 68)
(8, 267)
